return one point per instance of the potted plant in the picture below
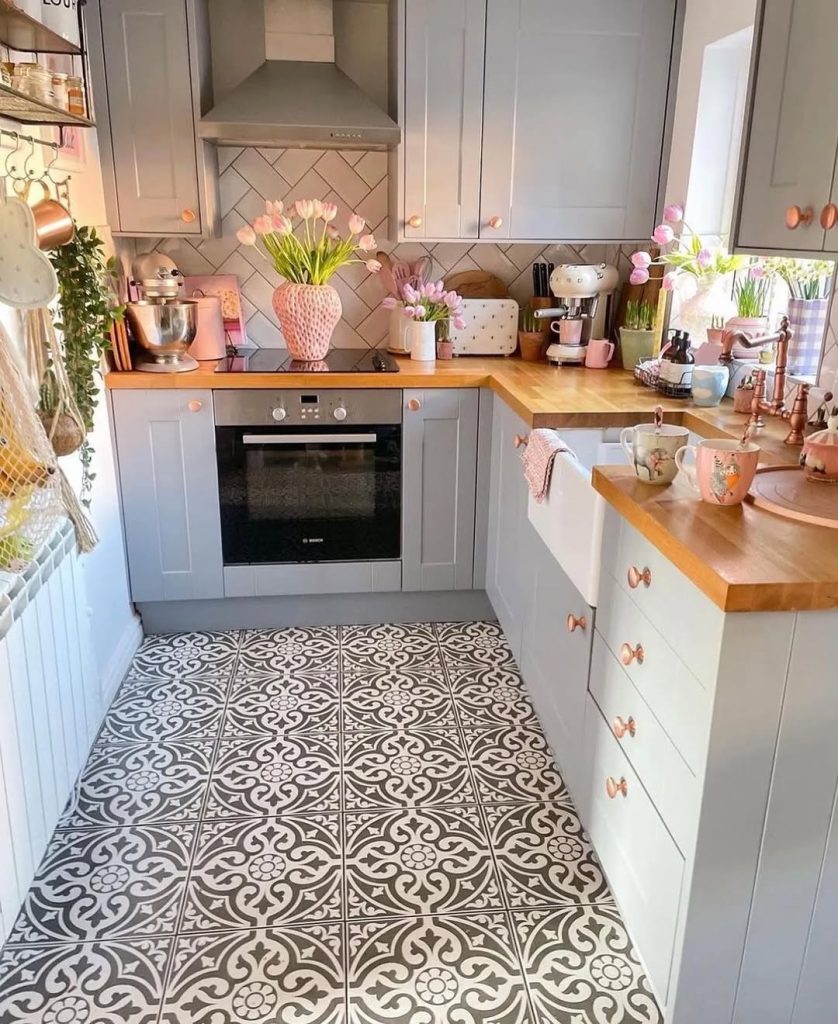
(751, 292)
(637, 339)
(444, 344)
(809, 283)
(530, 336)
(424, 308)
(307, 254)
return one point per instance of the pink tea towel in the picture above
(539, 454)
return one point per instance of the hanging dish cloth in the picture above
(540, 453)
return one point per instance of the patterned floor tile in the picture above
(370, 648)
(469, 645)
(265, 872)
(401, 769)
(267, 776)
(396, 699)
(107, 884)
(265, 977)
(269, 650)
(581, 967)
(512, 764)
(442, 970)
(543, 856)
(149, 710)
(97, 983)
(491, 697)
(125, 784)
(418, 861)
(289, 700)
(178, 655)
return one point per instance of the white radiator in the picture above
(50, 708)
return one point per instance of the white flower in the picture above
(329, 212)
(366, 243)
(246, 235)
(317, 207)
(356, 224)
(304, 208)
(373, 266)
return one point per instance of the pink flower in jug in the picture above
(641, 260)
(639, 276)
(673, 213)
(663, 234)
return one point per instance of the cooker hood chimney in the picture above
(299, 97)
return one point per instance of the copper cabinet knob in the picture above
(414, 405)
(495, 222)
(195, 405)
(414, 221)
(628, 654)
(573, 623)
(829, 216)
(620, 726)
(188, 216)
(613, 787)
(795, 217)
(637, 576)
(518, 440)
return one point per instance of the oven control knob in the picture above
(279, 414)
(340, 413)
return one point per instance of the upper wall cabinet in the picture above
(788, 196)
(534, 119)
(150, 87)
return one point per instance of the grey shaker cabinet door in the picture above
(443, 115)
(792, 139)
(440, 475)
(146, 51)
(167, 473)
(576, 100)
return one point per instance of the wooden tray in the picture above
(785, 491)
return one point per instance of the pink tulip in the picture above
(420, 312)
(330, 211)
(663, 234)
(409, 311)
(373, 266)
(704, 258)
(246, 235)
(272, 207)
(317, 208)
(366, 243)
(263, 225)
(332, 232)
(757, 271)
(304, 208)
(639, 276)
(674, 213)
(356, 224)
(410, 294)
(459, 323)
(668, 283)
(280, 224)
(641, 260)
(390, 302)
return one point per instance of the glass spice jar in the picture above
(60, 95)
(76, 103)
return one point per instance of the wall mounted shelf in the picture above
(26, 110)
(20, 31)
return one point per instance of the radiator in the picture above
(50, 708)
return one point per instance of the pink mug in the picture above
(723, 472)
(599, 354)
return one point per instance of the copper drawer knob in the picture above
(518, 440)
(188, 216)
(195, 405)
(573, 623)
(795, 217)
(613, 787)
(637, 576)
(628, 654)
(414, 221)
(414, 405)
(495, 222)
(621, 726)
(829, 216)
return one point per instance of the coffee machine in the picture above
(162, 321)
(578, 288)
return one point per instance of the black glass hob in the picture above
(338, 360)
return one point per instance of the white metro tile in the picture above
(260, 292)
(231, 188)
(372, 167)
(355, 310)
(346, 337)
(226, 155)
(349, 185)
(294, 164)
(260, 175)
(376, 327)
(260, 331)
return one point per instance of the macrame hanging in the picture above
(47, 369)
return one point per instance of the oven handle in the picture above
(309, 438)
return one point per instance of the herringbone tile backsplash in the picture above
(357, 182)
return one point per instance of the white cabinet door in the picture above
(443, 116)
(576, 98)
(793, 135)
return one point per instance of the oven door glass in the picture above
(309, 494)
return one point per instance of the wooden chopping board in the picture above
(477, 284)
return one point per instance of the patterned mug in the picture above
(723, 472)
(652, 450)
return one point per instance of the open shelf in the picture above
(20, 107)
(20, 31)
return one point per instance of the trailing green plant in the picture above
(806, 279)
(640, 315)
(86, 311)
(528, 322)
(751, 292)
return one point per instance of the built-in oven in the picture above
(309, 476)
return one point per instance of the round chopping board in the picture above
(787, 492)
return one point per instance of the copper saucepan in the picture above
(54, 224)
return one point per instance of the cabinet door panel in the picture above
(169, 484)
(145, 45)
(443, 117)
(578, 95)
(793, 135)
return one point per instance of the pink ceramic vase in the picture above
(308, 315)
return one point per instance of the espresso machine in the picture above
(578, 288)
(162, 321)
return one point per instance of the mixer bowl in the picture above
(164, 329)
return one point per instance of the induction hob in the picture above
(339, 360)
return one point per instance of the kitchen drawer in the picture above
(677, 699)
(692, 624)
(644, 866)
(662, 770)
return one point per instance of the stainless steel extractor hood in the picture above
(299, 103)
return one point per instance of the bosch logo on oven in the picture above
(312, 540)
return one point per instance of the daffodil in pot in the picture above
(307, 254)
(809, 283)
(424, 307)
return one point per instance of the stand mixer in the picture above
(161, 321)
(577, 287)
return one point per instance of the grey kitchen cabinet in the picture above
(165, 442)
(438, 493)
(150, 81)
(442, 118)
(577, 97)
(787, 178)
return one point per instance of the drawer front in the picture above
(677, 699)
(644, 866)
(692, 624)
(662, 770)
